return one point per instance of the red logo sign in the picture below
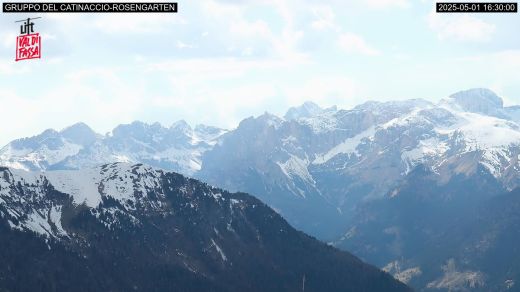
(28, 47)
(29, 43)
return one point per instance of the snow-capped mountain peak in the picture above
(135, 188)
(478, 100)
(363, 152)
(176, 148)
(80, 133)
(306, 110)
(400, 134)
(181, 126)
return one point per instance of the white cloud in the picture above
(217, 68)
(8, 39)
(10, 116)
(324, 18)
(10, 67)
(183, 45)
(152, 23)
(499, 70)
(326, 91)
(387, 3)
(97, 96)
(460, 27)
(353, 43)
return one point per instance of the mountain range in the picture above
(397, 183)
(177, 148)
(124, 227)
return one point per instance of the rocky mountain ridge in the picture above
(123, 227)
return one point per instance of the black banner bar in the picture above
(477, 7)
(93, 7)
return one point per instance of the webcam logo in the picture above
(28, 43)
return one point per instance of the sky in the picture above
(219, 61)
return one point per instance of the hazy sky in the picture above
(217, 62)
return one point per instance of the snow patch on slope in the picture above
(82, 185)
(219, 250)
(455, 280)
(347, 147)
(394, 268)
(426, 149)
(39, 158)
(296, 166)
